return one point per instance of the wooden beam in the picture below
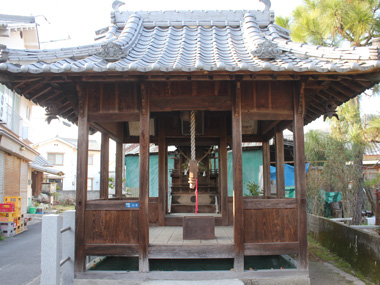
(280, 127)
(267, 126)
(50, 98)
(286, 203)
(266, 169)
(104, 166)
(334, 95)
(300, 179)
(251, 138)
(201, 103)
(41, 93)
(162, 154)
(115, 130)
(268, 115)
(119, 169)
(81, 193)
(223, 171)
(238, 180)
(110, 205)
(352, 85)
(112, 249)
(281, 248)
(113, 117)
(191, 251)
(144, 180)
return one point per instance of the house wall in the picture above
(69, 167)
(2, 165)
(15, 173)
(21, 39)
(94, 170)
(69, 162)
(14, 178)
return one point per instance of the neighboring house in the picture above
(19, 32)
(371, 161)
(40, 166)
(15, 112)
(62, 154)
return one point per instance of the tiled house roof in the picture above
(193, 41)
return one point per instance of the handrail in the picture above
(57, 241)
(64, 261)
(65, 229)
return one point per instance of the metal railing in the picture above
(57, 248)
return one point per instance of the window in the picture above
(90, 160)
(90, 184)
(55, 158)
(27, 115)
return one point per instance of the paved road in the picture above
(20, 256)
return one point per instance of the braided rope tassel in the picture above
(192, 134)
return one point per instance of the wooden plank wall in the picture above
(271, 226)
(111, 227)
(267, 100)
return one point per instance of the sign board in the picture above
(132, 205)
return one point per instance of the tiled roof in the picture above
(43, 165)
(190, 41)
(372, 149)
(39, 160)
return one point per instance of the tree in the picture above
(333, 22)
(336, 22)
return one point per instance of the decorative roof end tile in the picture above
(265, 49)
(267, 4)
(3, 53)
(112, 51)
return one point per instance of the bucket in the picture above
(32, 210)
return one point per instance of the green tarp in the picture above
(252, 160)
(132, 172)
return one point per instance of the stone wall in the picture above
(359, 248)
(71, 194)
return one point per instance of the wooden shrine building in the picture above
(242, 78)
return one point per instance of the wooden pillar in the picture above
(280, 165)
(82, 172)
(266, 169)
(377, 211)
(104, 166)
(300, 176)
(37, 179)
(162, 170)
(238, 181)
(119, 170)
(144, 181)
(223, 172)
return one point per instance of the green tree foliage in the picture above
(331, 23)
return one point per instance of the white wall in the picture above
(94, 170)
(69, 166)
